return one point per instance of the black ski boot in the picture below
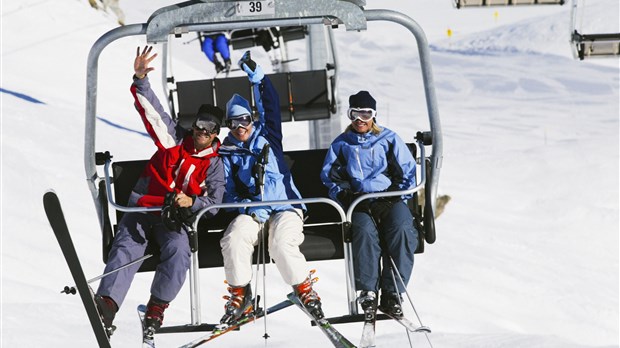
(308, 297)
(227, 65)
(391, 304)
(239, 304)
(107, 309)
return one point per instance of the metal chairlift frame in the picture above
(219, 15)
(591, 45)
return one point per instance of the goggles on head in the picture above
(243, 121)
(364, 114)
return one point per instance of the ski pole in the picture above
(408, 297)
(71, 289)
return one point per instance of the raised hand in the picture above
(141, 63)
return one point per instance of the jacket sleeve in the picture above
(268, 105)
(214, 190)
(159, 125)
(402, 166)
(334, 174)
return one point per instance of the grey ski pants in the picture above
(130, 243)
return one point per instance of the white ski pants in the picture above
(285, 235)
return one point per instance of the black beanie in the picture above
(362, 99)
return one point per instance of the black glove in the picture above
(247, 60)
(381, 207)
(169, 213)
(346, 197)
(186, 216)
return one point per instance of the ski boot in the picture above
(154, 316)
(218, 66)
(391, 304)
(308, 297)
(238, 305)
(107, 309)
(227, 65)
(367, 299)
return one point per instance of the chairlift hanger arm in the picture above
(169, 20)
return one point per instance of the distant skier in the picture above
(185, 175)
(369, 158)
(113, 5)
(217, 43)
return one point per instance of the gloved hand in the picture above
(346, 197)
(259, 214)
(169, 214)
(254, 71)
(381, 207)
(185, 215)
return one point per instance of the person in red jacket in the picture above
(185, 174)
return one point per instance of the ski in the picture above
(408, 324)
(148, 338)
(245, 320)
(337, 339)
(370, 321)
(54, 213)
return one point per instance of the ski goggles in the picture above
(208, 127)
(364, 114)
(242, 121)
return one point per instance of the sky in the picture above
(527, 250)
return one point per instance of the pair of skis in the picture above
(335, 337)
(370, 320)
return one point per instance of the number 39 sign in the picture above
(255, 8)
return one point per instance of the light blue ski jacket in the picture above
(240, 158)
(368, 163)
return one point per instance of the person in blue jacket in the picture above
(214, 43)
(369, 158)
(242, 150)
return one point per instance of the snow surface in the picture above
(527, 250)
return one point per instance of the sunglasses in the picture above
(243, 122)
(364, 114)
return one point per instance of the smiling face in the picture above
(362, 127)
(202, 138)
(242, 133)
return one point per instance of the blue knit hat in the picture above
(362, 99)
(237, 106)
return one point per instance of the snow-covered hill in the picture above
(527, 250)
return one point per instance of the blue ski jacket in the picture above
(240, 158)
(368, 163)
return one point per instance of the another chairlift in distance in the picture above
(591, 45)
(477, 3)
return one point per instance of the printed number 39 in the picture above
(256, 6)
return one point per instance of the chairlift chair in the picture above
(327, 225)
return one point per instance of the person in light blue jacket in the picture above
(369, 158)
(246, 156)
